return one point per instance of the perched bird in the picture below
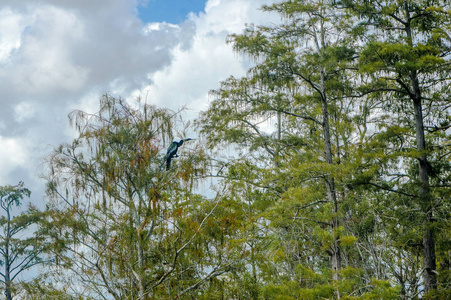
(172, 151)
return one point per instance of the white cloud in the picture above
(13, 154)
(45, 62)
(24, 111)
(13, 24)
(193, 72)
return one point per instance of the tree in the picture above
(17, 253)
(121, 224)
(294, 115)
(405, 58)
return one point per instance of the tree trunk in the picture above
(330, 187)
(8, 289)
(139, 247)
(7, 262)
(142, 287)
(332, 196)
(429, 261)
(7, 275)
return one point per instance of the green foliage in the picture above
(354, 70)
(123, 225)
(22, 246)
(276, 116)
(321, 189)
(408, 50)
(38, 289)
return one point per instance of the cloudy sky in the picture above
(61, 55)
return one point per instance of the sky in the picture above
(170, 11)
(60, 55)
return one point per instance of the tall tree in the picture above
(300, 84)
(121, 223)
(20, 246)
(406, 55)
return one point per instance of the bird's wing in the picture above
(173, 147)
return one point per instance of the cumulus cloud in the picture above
(194, 71)
(10, 39)
(59, 55)
(14, 156)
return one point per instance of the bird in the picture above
(172, 151)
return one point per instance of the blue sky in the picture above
(171, 11)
